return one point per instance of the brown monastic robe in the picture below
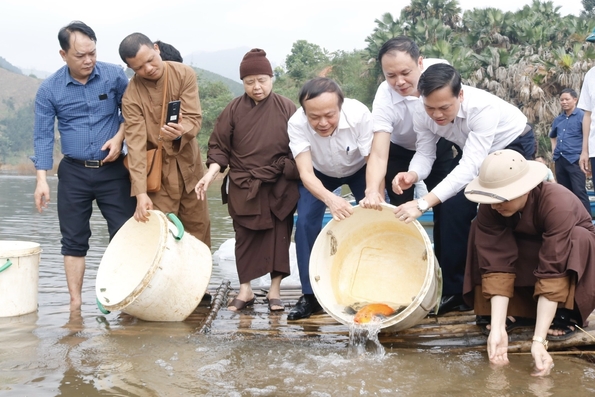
(182, 164)
(261, 186)
(548, 247)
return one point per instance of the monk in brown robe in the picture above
(531, 254)
(142, 109)
(250, 137)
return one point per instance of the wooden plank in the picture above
(453, 331)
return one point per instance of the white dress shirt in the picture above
(393, 113)
(342, 153)
(484, 124)
(586, 102)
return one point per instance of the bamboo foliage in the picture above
(525, 57)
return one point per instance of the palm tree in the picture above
(483, 27)
(448, 11)
(386, 28)
(525, 57)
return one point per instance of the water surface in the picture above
(48, 353)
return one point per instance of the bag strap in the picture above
(163, 109)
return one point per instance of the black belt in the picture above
(86, 163)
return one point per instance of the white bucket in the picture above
(154, 271)
(372, 257)
(19, 277)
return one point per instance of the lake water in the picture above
(49, 354)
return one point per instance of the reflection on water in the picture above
(52, 352)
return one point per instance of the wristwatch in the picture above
(539, 339)
(422, 205)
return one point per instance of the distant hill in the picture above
(224, 62)
(40, 74)
(17, 91)
(236, 88)
(17, 96)
(4, 64)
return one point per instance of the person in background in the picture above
(529, 256)
(250, 137)
(566, 136)
(479, 123)
(330, 138)
(168, 52)
(85, 97)
(182, 165)
(549, 177)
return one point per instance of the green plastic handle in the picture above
(6, 265)
(101, 308)
(172, 217)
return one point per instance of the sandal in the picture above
(240, 304)
(563, 322)
(276, 302)
(512, 323)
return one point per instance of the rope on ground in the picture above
(219, 299)
(591, 336)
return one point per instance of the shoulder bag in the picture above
(155, 156)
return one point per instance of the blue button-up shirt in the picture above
(88, 114)
(568, 131)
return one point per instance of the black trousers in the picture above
(455, 223)
(398, 161)
(574, 179)
(78, 186)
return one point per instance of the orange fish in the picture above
(373, 311)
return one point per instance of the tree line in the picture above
(525, 57)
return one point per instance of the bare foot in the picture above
(559, 331)
(240, 303)
(275, 307)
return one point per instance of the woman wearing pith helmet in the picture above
(530, 255)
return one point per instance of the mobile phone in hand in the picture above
(173, 112)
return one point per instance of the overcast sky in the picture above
(29, 27)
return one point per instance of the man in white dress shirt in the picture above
(330, 138)
(393, 146)
(586, 102)
(394, 141)
(479, 123)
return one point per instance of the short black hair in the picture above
(168, 52)
(74, 26)
(131, 44)
(569, 91)
(438, 76)
(401, 44)
(318, 86)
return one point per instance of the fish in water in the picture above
(373, 312)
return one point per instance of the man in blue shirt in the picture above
(567, 143)
(85, 97)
